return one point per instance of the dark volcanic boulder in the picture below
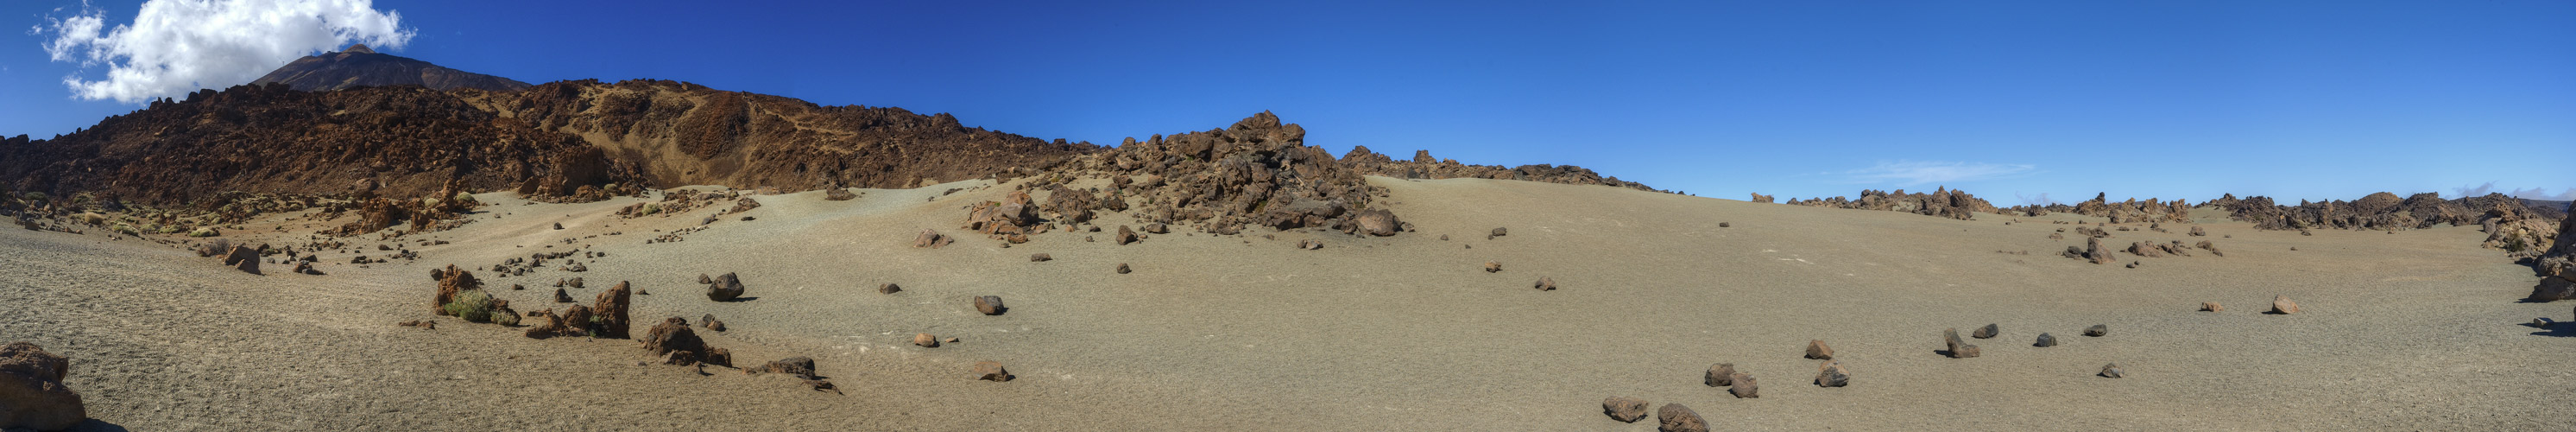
(1678, 418)
(1987, 332)
(32, 395)
(1625, 409)
(726, 288)
(2045, 340)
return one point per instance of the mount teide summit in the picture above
(359, 66)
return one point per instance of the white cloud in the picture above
(1913, 173)
(2543, 194)
(178, 46)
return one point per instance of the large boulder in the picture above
(1379, 222)
(611, 308)
(673, 335)
(32, 395)
(726, 288)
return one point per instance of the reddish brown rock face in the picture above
(32, 395)
(611, 309)
(451, 281)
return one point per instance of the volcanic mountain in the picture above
(359, 66)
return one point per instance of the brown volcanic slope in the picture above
(359, 66)
(412, 140)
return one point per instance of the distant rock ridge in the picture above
(359, 66)
(1423, 166)
(1942, 202)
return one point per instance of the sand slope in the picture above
(2415, 330)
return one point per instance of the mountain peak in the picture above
(359, 66)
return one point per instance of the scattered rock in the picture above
(673, 339)
(726, 288)
(1491, 267)
(931, 239)
(1745, 387)
(2543, 322)
(1832, 374)
(1498, 232)
(422, 324)
(888, 288)
(711, 323)
(1725, 225)
(2213, 248)
(2281, 305)
(1816, 349)
(925, 340)
(32, 395)
(990, 305)
(703, 279)
(2097, 330)
(562, 297)
(1125, 236)
(1122, 268)
(1958, 348)
(1720, 375)
(2212, 307)
(2197, 232)
(1444, 237)
(991, 371)
(838, 194)
(610, 311)
(801, 367)
(1678, 418)
(2045, 340)
(1625, 409)
(455, 280)
(1310, 244)
(2111, 370)
(559, 225)
(1040, 258)
(1987, 332)
(1544, 284)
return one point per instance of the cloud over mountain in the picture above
(177, 46)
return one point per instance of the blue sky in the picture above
(2171, 99)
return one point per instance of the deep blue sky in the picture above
(2150, 99)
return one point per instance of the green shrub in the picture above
(472, 305)
(505, 316)
(205, 232)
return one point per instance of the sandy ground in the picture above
(2411, 331)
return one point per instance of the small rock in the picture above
(1816, 349)
(1745, 387)
(991, 371)
(1958, 348)
(2045, 340)
(561, 297)
(2212, 307)
(888, 288)
(1720, 375)
(2097, 330)
(1491, 267)
(1987, 332)
(2281, 305)
(1125, 235)
(1444, 237)
(1832, 374)
(990, 305)
(1040, 258)
(1625, 409)
(703, 279)
(2543, 322)
(1122, 268)
(802, 367)
(1498, 232)
(1545, 284)
(558, 225)
(1724, 225)
(1678, 418)
(711, 323)
(925, 340)
(2111, 370)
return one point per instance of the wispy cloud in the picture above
(178, 46)
(1915, 173)
(2568, 194)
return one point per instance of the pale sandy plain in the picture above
(2417, 330)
